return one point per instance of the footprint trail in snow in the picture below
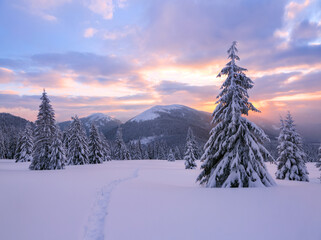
(94, 229)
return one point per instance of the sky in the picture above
(121, 57)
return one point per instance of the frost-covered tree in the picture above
(189, 156)
(57, 152)
(145, 154)
(190, 140)
(77, 144)
(171, 157)
(234, 154)
(106, 148)
(96, 151)
(136, 150)
(44, 133)
(291, 159)
(25, 145)
(120, 151)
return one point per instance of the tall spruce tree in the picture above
(234, 154)
(291, 159)
(57, 152)
(77, 143)
(25, 145)
(121, 151)
(106, 148)
(96, 151)
(44, 133)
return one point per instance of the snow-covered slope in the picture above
(168, 123)
(99, 119)
(150, 200)
(155, 111)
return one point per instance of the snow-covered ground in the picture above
(150, 200)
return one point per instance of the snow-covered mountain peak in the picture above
(99, 116)
(153, 112)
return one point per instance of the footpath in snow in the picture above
(150, 200)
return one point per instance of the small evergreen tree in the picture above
(77, 143)
(234, 154)
(18, 147)
(190, 139)
(44, 133)
(120, 151)
(25, 145)
(171, 157)
(57, 152)
(96, 151)
(291, 164)
(189, 156)
(136, 150)
(161, 152)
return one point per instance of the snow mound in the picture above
(153, 112)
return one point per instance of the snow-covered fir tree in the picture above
(44, 133)
(189, 156)
(171, 157)
(106, 148)
(96, 151)
(145, 154)
(18, 147)
(57, 152)
(136, 150)
(121, 151)
(291, 159)
(77, 153)
(25, 145)
(161, 151)
(177, 153)
(190, 139)
(234, 154)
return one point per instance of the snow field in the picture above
(150, 199)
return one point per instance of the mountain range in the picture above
(167, 123)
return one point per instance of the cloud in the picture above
(306, 32)
(197, 30)
(87, 63)
(90, 32)
(105, 8)
(6, 75)
(42, 7)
